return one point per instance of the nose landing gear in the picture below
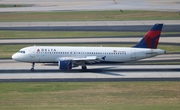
(32, 69)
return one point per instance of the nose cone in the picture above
(15, 56)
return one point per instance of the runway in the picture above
(12, 71)
(123, 40)
(61, 5)
(94, 73)
(134, 26)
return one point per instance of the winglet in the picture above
(151, 39)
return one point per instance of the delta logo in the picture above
(46, 50)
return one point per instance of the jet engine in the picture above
(65, 64)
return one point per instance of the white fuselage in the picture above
(52, 54)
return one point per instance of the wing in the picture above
(81, 60)
(88, 59)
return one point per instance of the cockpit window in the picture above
(21, 51)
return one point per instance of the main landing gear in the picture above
(32, 69)
(84, 68)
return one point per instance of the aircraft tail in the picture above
(151, 39)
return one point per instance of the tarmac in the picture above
(79, 5)
(134, 26)
(12, 71)
(94, 73)
(163, 40)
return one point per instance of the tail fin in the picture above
(151, 39)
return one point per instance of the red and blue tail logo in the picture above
(151, 39)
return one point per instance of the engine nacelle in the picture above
(65, 64)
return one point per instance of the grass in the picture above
(90, 96)
(12, 5)
(70, 34)
(88, 16)
(62, 34)
(6, 51)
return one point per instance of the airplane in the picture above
(69, 57)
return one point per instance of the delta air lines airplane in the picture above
(68, 57)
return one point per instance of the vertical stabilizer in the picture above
(151, 39)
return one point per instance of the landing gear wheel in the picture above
(84, 68)
(32, 69)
